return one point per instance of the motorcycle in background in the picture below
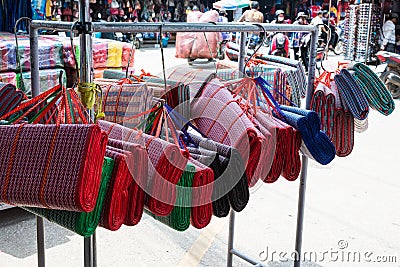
(390, 71)
(279, 45)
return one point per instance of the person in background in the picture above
(319, 22)
(279, 17)
(252, 15)
(223, 19)
(295, 37)
(388, 36)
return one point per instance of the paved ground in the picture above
(352, 210)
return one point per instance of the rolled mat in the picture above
(317, 144)
(10, 98)
(81, 223)
(352, 95)
(220, 199)
(202, 210)
(179, 219)
(343, 132)
(138, 167)
(165, 166)
(378, 96)
(233, 175)
(221, 118)
(116, 203)
(65, 163)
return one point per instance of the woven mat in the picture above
(10, 98)
(116, 203)
(221, 118)
(165, 166)
(81, 223)
(317, 144)
(138, 168)
(51, 166)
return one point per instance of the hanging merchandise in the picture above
(10, 98)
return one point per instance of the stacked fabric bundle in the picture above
(65, 165)
(48, 78)
(323, 102)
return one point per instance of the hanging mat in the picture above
(201, 211)
(377, 94)
(138, 168)
(316, 144)
(125, 99)
(343, 133)
(220, 117)
(232, 177)
(81, 223)
(166, 165)
(10, 98)
(116, 203)
(60, 165)
(179, 219)
(351, 94)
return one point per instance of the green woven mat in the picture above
(179, 219)
(82, 223)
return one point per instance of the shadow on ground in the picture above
(18, 233)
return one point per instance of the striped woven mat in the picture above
(51, 166)
(81, 223)
(10, 98)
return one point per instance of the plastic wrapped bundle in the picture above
(60, 165)
(166, 164)
(82, 223)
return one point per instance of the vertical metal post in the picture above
(35, 89)
(229, 262)
(94, 245)
(303, 174)
(85, 74)
(242, 56)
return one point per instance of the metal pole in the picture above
(303, 174)
(229, 262)
(35, 89)
(85, 74)
(94, 244)
(242, 52)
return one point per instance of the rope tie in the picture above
(92, 94)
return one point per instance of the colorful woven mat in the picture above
(81, 223)
(51, 166)
(352, 95)
(378, 96)
(316, 144)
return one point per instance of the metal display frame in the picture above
(86, 28)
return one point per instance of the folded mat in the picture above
(352, 95)
(165, 166)
(378, 96)
(116, 203)
(232, 180)
(60, 165)
(317, 144)
(323, 103)
(81, 223)
(202, 190)
(343, 132)
(179, 219)
(138, 167)
(221, 118)
(10, 98)
(122, 101)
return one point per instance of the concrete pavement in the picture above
(352, 210)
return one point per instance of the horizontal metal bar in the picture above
(245, 257)
(176, 27)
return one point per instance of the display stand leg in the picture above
(304, 165)
(94, 247)
(88, 252)
(230, 238)
(40, 241)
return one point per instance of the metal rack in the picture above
(86, 28)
